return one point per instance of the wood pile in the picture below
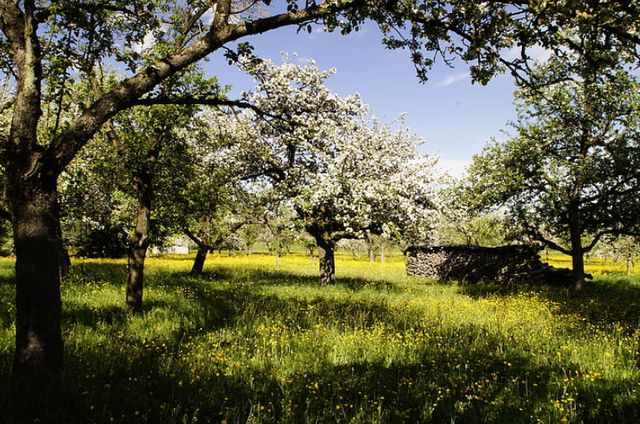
(515, 264)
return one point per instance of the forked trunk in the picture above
(326, 249)
(198, 263)
(38, 358)
(577, 258)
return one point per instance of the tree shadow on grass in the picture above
(96, 273)
(602, 301)
(139, 382)
(139, 378)
(268, 277)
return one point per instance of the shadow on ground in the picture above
(133, 369)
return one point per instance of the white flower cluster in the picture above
(334, 161)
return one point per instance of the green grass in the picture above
(256, 340)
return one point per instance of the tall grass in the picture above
(256, 340)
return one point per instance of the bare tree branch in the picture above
(206, 101)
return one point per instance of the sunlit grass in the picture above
(593, 265)
(256, 340)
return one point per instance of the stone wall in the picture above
(472, 264)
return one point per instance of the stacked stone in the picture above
(472, 264)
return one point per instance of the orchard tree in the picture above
(217, 203)
(571, 174)
(456, 221)
(279, 228)
(45, 45)
(131, 178)
(95, 208)
(344, 173)
(621, 248)
(153, 146)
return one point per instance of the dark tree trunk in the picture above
(204, 247)
(138, 243)
(65, 262)
(31, 192)
(198, 263)
(577, 258)
(38, 358)
(326, 249)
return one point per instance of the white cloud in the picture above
(455, 167)
(148, 42)
(536, 52)
(452, 79)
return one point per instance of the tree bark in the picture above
(31, 192)
(38, 358)
(577, 258)
(198, 263)
(139, 242)
(326, 249)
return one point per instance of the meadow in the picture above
(256, 340)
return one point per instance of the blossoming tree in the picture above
(344, 172)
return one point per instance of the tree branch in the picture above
(12, 24)
(64, 148)
(551, 244)
(206, 101)
(6, 106)
(195, 239)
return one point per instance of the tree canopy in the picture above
(571, 172)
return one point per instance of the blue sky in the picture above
(454, 116)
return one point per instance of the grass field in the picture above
(256, 340)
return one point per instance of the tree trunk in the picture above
(139, 242)
(577, 258)
(65, 262)
(382, 257)
(31, 192)
(326, 249)
(371, 251)
(38, 358)
(628, 265)
(198, 263)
